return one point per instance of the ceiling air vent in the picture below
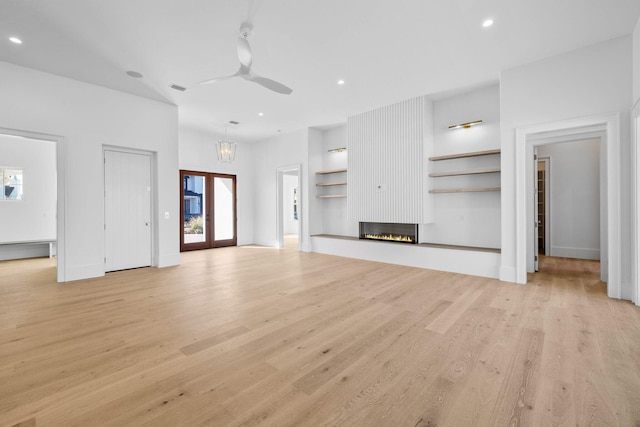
(180, 88)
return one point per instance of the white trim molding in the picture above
(636, 202)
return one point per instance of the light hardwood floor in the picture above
(246, 336)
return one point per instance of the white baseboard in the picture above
(508, 274)
(168, 260)
(580, 253)
(88, 271)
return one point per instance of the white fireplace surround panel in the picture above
(386, 163)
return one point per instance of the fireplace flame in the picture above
(391, 237)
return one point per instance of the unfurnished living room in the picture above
(319, 213)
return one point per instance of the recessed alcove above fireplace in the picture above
(390, 232)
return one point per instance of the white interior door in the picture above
(127, 181)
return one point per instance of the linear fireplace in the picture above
(389, 232)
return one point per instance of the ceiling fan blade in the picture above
(243, 72)
(244, 52)
(216, 79)
(270, 84)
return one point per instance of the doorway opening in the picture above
(33, 196)
(567, 204)
(208, 214)
(542, 204)
(606, 129)
(289, 204)
(290, 209)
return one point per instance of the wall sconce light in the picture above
(465, 125)
(226, 149)
(337, 150)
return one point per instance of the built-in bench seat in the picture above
(24, 249)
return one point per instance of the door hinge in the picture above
(536, 256)
(535, 157)
(105, 260)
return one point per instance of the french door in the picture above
(208, 214)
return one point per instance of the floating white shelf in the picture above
(465, 190)
(331, 196)
(463, 155)
(330, 184)
(331, 171)
(467, 172)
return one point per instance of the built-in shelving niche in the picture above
(464, 172)
(321, 185)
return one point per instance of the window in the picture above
(11, 180)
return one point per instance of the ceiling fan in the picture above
(244, 72)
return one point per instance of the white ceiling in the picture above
(385, 50)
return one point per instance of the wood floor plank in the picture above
(446, 319)
(618, 363)
(348, 397)
(555, 399)
(213, 340)
(251, 335)
(514, 405)
(336, 364)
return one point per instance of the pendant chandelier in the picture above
(226, 149)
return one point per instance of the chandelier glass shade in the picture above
(226, 151)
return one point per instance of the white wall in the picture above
(386, 162)
(197, 152)
(89, 117)
(595, 80)
(312, 215)
(290, 183)
(574, 186)
(282, 150)
(467, 219)
(636, 63)
(335, 219)
(33, 217)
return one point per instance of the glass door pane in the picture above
(224, 205)
(208, 212)
(194, 209)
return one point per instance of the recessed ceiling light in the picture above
(261, 114)
(487, 23)
(134, 74)
(15, 40)
(340, 82)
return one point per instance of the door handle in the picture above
(147, 223)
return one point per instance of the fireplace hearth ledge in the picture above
(475, 261)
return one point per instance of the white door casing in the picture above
(610, 211)
(536, 225)
(127, 181)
